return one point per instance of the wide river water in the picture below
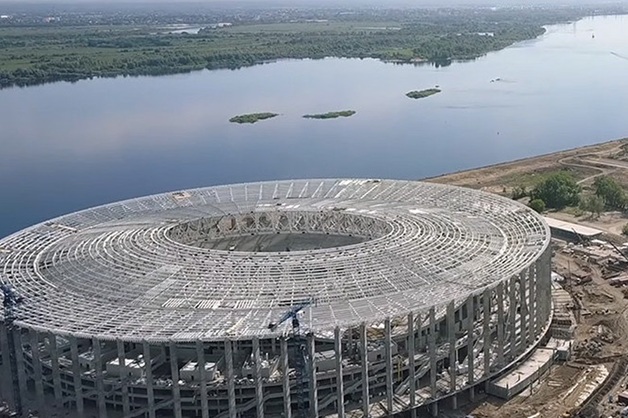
(70, 146)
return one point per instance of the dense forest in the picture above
(40, 54)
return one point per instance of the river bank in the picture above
(585, 164)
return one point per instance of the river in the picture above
(67, 146)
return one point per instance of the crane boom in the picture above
(291, 314)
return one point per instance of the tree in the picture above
(557, 190)
(594, 204)
(537, 205)
(612, 193)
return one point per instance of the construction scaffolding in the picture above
(164, 302)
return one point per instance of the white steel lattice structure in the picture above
(426, 289)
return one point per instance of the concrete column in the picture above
(389, 366)
(470, 353)
(431, 338)
(534, 307)
(365, 370)
(174, 372)
(451, 336)
(100, 384)
(349, 334)
(512, 318)
(230, 379)
(501, 338)
(486, 331)
(124, 379)
(54, 364)
(340, 390)
(37, 372)
(311, 343)
(76, 374)
(19, 360)
(259, 388)
(411, 353)
(5, 368)
(150, 391)
(200, 363)
(523, 317)
(546, 279)
(287, 409)
(434, 409)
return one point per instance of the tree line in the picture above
(32, 58)
(559, 190)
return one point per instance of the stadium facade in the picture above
(334, 297)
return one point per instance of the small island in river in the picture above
(252, 117)
(419, 94)
(331, 115)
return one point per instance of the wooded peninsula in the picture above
(37, 47)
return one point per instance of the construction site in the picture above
(306, 298)
(588, 290)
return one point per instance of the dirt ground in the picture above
(601, 310)
(510, 174)
(601, 340)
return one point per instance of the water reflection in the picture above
(68, 146)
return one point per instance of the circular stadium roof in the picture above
(224, 262)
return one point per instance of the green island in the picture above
(419, 94)
(331, 115)
(37, 48)
(252, 117)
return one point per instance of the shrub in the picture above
(537, 205)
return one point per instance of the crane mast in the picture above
(299, 352)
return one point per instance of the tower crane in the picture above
(300, 351)
(11, 301)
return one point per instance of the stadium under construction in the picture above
(302, 298)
